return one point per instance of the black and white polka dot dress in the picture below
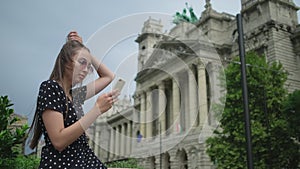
(77, 155)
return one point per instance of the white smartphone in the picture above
(119, 85)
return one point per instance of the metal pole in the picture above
(160, 146)
(245, 90)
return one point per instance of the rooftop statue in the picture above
(193, 17)
(179, 17)
(184, 16)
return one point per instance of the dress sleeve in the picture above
(79, 95)
(51, 96)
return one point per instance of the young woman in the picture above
(59, 114)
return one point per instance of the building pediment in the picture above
(168, 52)
(164, 53)
(168, 49)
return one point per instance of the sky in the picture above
(33, 32)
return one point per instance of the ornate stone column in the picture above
(165, 162)
(174, 163)
(122, 141)
(176, 104)
(149, 114)
(193, 159)
(215, 89)
(157, 161)
(143, 115)
(112, 143)
(129, 137)
(118, 141)
(162, 106)
(202, 94)
(193, 105)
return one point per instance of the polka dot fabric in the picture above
(78, 155)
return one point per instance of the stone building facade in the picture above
(178, 83)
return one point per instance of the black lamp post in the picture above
(245, 90)
(160, 146)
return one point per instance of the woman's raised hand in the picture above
(73, 35)
(105, 101)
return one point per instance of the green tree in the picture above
(20, 162)
(292, 114)
(11, 140)
(10, 137)
(273, 147)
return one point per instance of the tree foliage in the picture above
(10, 137)
(273, 146)
(292, 114)
(20, 162)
